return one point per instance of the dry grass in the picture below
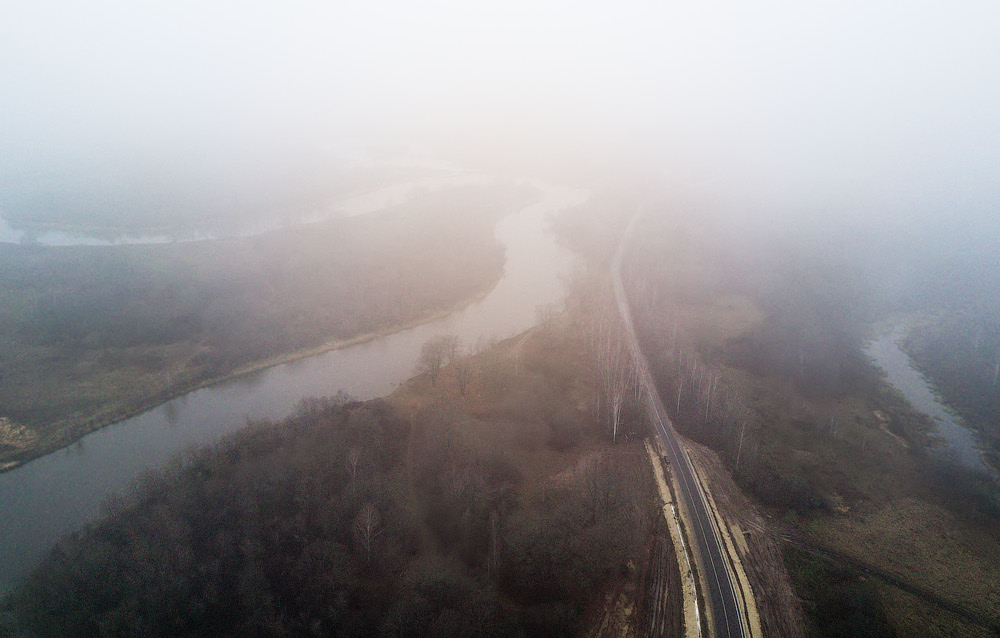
(911, 616)
(924, 544)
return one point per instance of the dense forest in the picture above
(91, 334)
(502, 511)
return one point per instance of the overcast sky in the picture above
(843, 98)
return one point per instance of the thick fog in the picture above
(875, 111)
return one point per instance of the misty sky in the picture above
(842, 101)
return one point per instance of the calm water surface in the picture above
(901, 373)
(57, 494)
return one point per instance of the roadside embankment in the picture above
(671, 513)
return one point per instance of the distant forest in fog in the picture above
(180, 197)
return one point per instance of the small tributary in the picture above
(903, 375)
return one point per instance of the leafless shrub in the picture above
(367, 528)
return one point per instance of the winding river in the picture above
(57, 494)
(903, 375)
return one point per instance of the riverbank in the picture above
(34, 449)
(447, 473)
(958, 355)
(94, 335)
(893, 352)
(77, 482)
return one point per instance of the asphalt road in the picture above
(721, 595)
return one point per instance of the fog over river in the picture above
(56, 494)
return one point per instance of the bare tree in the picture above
(482, 344)
(451, 346)
(493, 557)
(603, 488)
(367, 528)
(351, 464)
(614, 359)
(463, 373)
(545, 314)
(496, 373)
(713, 384)
(622, 378)
(435, 352)
(722, 416)
(744, 425)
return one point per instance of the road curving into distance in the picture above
(721, 594)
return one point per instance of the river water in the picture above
(57, 494)
(901, 373)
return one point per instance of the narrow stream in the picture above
(57, 494)
(901, 373)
